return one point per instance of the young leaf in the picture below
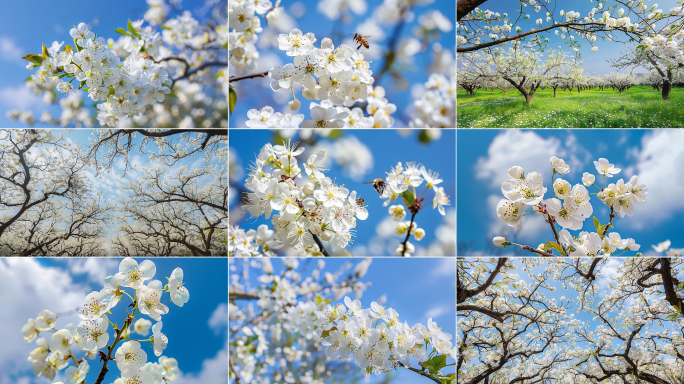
(35, 59)
(232, 99)
(597, 224)
(408, 198)
(132, 30)
(553, 245)
(122, 31)
(46, 54)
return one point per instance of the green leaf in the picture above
(122, 31)
(553, 245)
(597, 224)
(132, 30)
(81, 85)
(35, 59)
(232, 99)
(46, 54)
(68, 48)
(435, 364)
(408, 198)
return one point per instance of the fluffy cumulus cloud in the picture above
(19, 97)
(9, 51)
(528, 150)
(218, 321)
(26, 288)
(214, 370)
(659, 165)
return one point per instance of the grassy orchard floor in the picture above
(638, 107)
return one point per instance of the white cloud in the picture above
(436, 311)
(19, 97)
(659, 166)
(26, 288)
(445, 267)
(9, 51)
(214, 370)
(218, 321)
(531, 152)
(97, 268)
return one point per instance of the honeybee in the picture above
(360, 201)
(378, 185)
(361, 40)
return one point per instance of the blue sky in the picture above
(431, 293)
(196, 332)
(483, 156)
(25, 25)
(313, 21)
(387, 148)
(596, 63)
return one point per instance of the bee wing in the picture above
(368, 182)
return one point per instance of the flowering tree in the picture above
(517, 329)
(321, 210)
(294, 321)
(528, 190)
(49, 206)
(172, 78)
(338, 78)
(90, 338)
(181, 212)
(46, 206)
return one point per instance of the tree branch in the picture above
(320, 245)
(408, 234)
(253, 75)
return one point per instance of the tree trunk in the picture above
(667, 86)
(555, 93)
(528, 99)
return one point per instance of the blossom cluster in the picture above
(337, 76)
(437, 106)
(91, 335)
(245, 24)
(125, 88)
(375, 337)
(288, 301)
(319, 207)
(571, 205)
(401, 182)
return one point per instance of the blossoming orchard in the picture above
(164, 69)
(291, 74)
(543, 51)
(91, 339)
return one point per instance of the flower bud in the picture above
(326, 235)
(588, 179)
(308, 188)
(501, 242)
(418, 234)
(401, 228)
(398, 212)
(294, 105)
(309, 94)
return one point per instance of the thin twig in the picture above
(408, 234)
(320, 245)
(535, 250)
(253, 75)
(422, 373)
(232, 368)
(555, 234)
(610, 223)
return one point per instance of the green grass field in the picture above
(638, 107)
